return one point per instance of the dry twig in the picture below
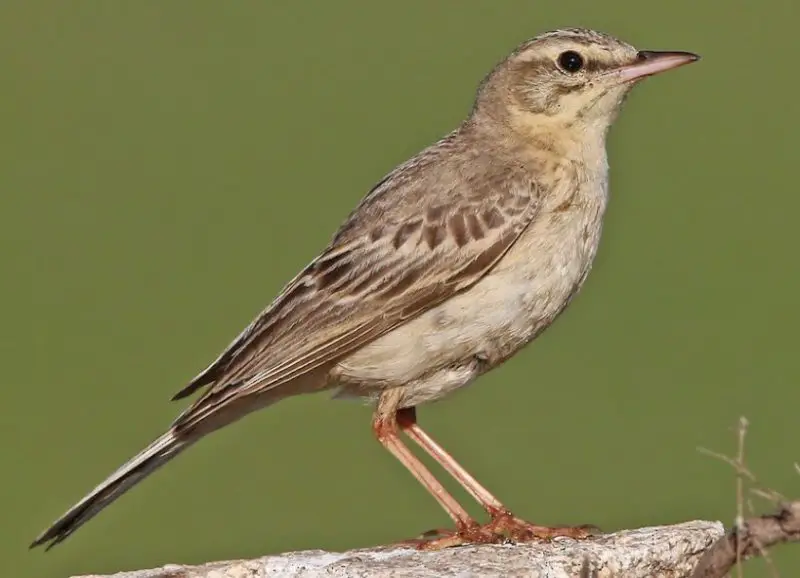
(753, 536)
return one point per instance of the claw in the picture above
(503, 528)
(519, 530)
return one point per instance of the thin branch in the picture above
(754, 536)
(740, 492)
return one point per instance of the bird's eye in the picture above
(570, 61)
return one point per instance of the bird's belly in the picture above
(448, 346)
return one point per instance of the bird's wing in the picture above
(400, 253)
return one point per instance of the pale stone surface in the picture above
(657, 552)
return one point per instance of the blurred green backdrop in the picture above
(166, 167)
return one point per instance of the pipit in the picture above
(448, 266)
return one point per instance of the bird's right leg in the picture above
(387, 431)
(503, 522)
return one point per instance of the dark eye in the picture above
(570, 61)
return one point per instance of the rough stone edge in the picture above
(653, 552)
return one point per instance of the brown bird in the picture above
(450, 265)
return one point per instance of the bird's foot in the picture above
(504, 528)
(517, 530)
(440, 538)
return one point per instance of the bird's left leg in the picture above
(503, 522)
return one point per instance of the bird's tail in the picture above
(132, 472)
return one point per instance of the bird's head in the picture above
(573, 78)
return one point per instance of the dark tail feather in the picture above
(134, 471)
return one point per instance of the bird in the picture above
(447, 267)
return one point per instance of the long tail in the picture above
(131, 473)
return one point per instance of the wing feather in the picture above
(399, 254)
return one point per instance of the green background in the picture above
(167, 166)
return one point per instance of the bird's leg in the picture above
(503, 522)
(407, 420)
(386, 430)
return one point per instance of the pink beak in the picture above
(650, 63)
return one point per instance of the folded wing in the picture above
(411, 244)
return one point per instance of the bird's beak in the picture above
(649, 63)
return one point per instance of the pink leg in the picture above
(386, 431)
(503, 522)
(407, 420)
